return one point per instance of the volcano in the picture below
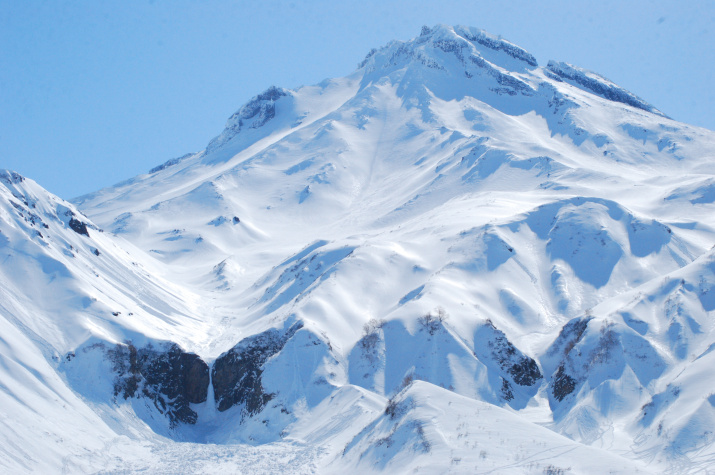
(453, 259)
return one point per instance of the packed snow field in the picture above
(451, 260)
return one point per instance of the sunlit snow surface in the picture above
(481, 266)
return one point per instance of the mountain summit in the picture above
(452, 259)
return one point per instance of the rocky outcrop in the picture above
(10, 177)
(167, 375)
(597, 84)
(522, 369)
(254, 114)
(237, 374)
(497, 44)
(170, 163)
(594, 351)
(78, 226)
(173, 379)
(563, 384)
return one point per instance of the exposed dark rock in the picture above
(523, 369)
(391, 408)
(78, 226)
(236, 374)
(510, 82)
(236, 220)
(506, 390)
(574, 357)
(25, 213)
(500, 45)
(599, 85)
(563, 384)
(18, 207)
(261, 108)
(10, 178)
(569, 335)
(525, 372)
(369, 55)
(254, 114)
(451, 46)
(168, 376)
(170, 163)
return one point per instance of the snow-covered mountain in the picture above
(453, 259)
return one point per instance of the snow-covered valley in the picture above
(451, 260)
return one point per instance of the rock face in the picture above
(237, 374)
(168, 376)
(563, 384)
(523, 369)
(78, 226)
(253, 115)
(10, 177)
(174, 379)
(170, 163)
(597, 84)
(590, 352)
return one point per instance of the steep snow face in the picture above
(66, 285)
(67, 280)
(451, 229)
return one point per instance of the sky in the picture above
(93, 93)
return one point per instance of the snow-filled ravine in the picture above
(451, 260)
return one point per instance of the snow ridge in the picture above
(598, 85)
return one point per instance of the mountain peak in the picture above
(254, 114)
(503, 67)
(441, 250)
(463, 43)
(482, 39)
(10, 177)
(450, 62)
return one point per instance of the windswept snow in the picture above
(451, 260)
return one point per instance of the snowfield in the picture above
(451, 260)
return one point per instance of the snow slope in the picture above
(480, 263)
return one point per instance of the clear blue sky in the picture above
(94, 92)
